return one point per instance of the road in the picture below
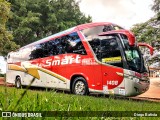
(154, 90)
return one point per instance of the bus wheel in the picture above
(18, 82)
(80, 86)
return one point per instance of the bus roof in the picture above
(78, 27)
(88, 25)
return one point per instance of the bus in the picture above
(99, 57)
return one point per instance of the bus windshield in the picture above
(133, 56)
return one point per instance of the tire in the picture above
(18, 83)
(79, 86)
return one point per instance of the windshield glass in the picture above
(133, 56)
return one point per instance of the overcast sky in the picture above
(122, 12)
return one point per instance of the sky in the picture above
(125, 13)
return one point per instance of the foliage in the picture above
(2, 75)
(156, 6)
(6, 44)
(36, 19)
(147, 31)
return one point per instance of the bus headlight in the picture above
(136, 80)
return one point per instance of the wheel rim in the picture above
(18, 83)
(79, 88)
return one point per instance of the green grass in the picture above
(41, 100)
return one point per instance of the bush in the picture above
(2, 75)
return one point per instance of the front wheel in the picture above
(80, 86)
(18, 82)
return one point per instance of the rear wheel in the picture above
(80, 86)
(18, 82)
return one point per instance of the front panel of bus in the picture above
(122, 66)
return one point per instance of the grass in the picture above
(41, 100)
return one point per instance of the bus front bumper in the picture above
(136, 86)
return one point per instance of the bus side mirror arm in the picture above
(147, 45)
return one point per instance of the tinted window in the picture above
(37, 52)
(107, 50)
(133, 56)
(66, 44)
(74, 44)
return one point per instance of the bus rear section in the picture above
(88, 59)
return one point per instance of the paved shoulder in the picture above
(154, 90)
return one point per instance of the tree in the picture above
(149, 31)
(156, 8)
(36, 19)
(6, 44)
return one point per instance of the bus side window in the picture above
(37, 52)
(66, 44)
(110, 52)
(107, 50)
(55, 47)
(74, 44)
(52, 48)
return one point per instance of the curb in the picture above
(2, 83)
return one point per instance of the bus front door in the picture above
(112, 64)
(112, 78)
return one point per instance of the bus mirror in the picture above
(147, 45)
